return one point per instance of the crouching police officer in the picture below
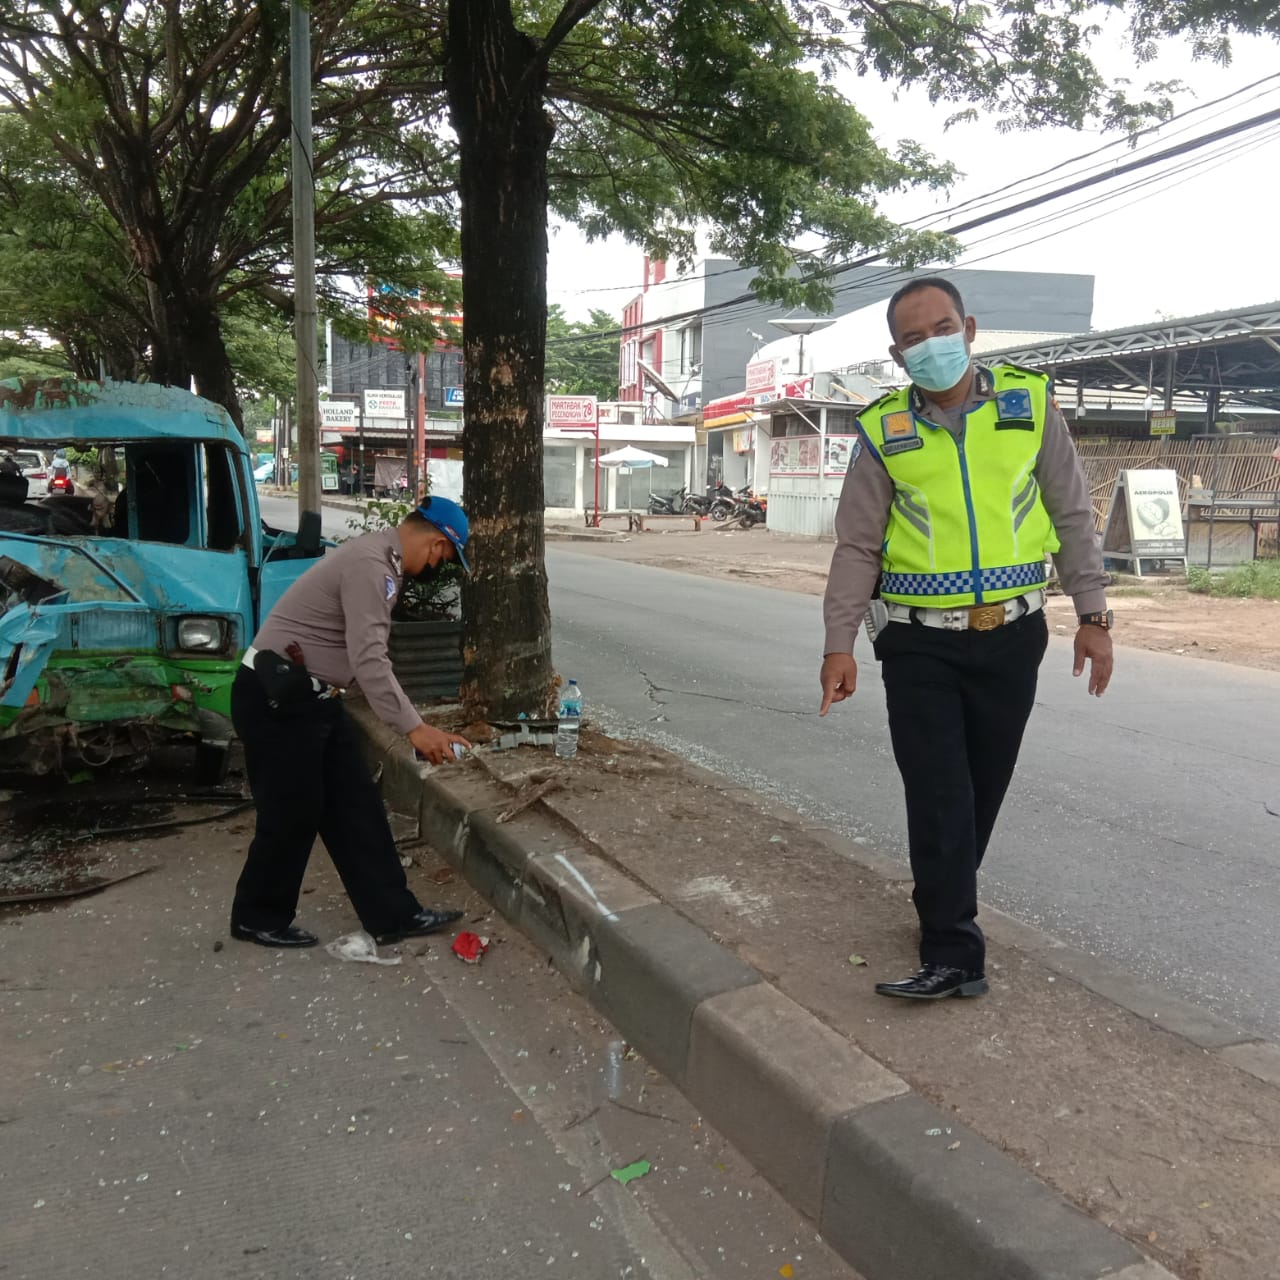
(302, 756)
(963, 482)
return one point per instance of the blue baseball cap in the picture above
(451, 520)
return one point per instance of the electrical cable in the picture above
(1115, 171)
(987, 197)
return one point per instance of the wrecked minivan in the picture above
(126, 606)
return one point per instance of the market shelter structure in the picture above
(1227, 362)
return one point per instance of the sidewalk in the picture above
(736, 945)
(178, 1104)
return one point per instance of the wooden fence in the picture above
(1233, 466)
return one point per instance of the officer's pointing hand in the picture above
(839, 678)
(1094, 643)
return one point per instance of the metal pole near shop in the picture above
(304, 259)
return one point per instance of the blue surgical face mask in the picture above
(937, 364)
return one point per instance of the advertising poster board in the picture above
(1144, 521)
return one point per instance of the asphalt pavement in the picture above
(1140, 827)
(282, 513)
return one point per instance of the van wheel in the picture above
(212, 759)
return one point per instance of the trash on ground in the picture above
(358, 946)
(629, 1173)
(530, 799)
(470, 947)
(856, 959)
(955, 1146)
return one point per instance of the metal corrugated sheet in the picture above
(427, 658)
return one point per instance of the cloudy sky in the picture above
(1200, 239)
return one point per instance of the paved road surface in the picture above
(282, 513)
(1136, 828)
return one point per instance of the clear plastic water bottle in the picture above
(568, 721)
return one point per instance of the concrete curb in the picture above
(842, 1138)
(567, 535)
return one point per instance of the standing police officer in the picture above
(305, 767)
(962, 483)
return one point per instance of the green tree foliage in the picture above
(587, 366)
(168, 125)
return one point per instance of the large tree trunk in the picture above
(188, 344)
(504, 140)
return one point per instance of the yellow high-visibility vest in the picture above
(967, 525)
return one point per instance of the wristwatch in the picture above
(1104, 620)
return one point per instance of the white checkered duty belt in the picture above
(981, 617)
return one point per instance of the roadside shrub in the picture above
(1259, 579)
(1199, 580)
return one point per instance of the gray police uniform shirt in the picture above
(339, 613)
(862, 516)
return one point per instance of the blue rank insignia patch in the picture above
(390, 584)
(1014, 406)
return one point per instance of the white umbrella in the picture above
(630, 456)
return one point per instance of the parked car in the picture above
(125, 609)
(35, 467)
(265, 472)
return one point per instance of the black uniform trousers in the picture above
(958, 703)
(308, 777)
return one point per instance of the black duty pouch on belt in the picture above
(287, 684)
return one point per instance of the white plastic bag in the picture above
(358, 946)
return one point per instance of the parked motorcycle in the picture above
(662, 506)
(722, 502)
(747, 510)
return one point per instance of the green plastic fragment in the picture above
(630, 1172)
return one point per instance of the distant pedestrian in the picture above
(306, 770)
(960, 486)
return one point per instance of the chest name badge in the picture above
(900, 433)
(1013, 411)
(390, 584)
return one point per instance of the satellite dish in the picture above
(654, 378)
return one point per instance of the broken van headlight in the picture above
(202, 635)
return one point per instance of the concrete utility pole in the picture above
(304, 259)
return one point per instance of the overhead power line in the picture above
(988, 196)
(969, 224)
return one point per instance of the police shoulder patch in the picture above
(1014, 403)
(391, 587)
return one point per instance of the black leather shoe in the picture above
(286, 937)
(936, 982)
(426, 921)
